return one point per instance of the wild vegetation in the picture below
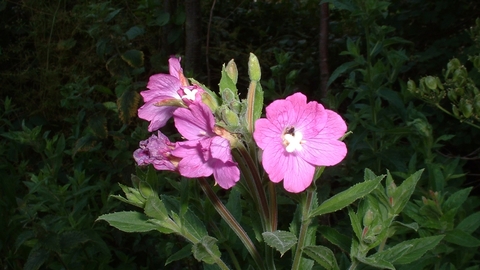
(404, 77)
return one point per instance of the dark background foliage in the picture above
(71, 72)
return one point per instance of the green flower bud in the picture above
(368, 218)
(452, 95)
(466, 107)
(210, 101)
(431, 82)
(232, 71)
(228, 96)
(412, 87)
(230, 118)
(145, 189)
(254, 71)
(455, 111)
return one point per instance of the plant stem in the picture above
(449, 113)
(306, 220)
(232, 222)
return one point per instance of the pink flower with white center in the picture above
(204, 153)
(296, 137)
(156, 150)
(166, 93)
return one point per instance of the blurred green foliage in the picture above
(71, 72)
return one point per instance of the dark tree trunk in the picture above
(193, 45)
(323, 48)
(169, 6)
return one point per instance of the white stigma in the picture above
(293, 142)
(189, 94)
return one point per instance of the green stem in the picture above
(232, 222)
(449, 113)
(306, 220)
(354, 265)
(259, 190)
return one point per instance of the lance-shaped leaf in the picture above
(461, 238)
(402, 193)
(206, 250)
(129, 221)
(408, 251)
(323, 256)
(280, 240)
(347, 197)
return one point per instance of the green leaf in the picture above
(408, 251)
(155, 208)
(402, 193)
(134, 32)
(127, 105)
(470, 223)
(456, 199)
(36, 258)
(188, 222)
(98, 124)
(322, 255)
(347, 197)
(461, 238)
(181, 254)
(111, 15)
(129, 221)
(206, 250)
(356, 223)
(162, 18)
(333, 236)
(227, 82)
(341, 69)
(280, 240)
(84, 144)
(376, 263)
(134, 58)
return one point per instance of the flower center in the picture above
(189, 94)
(292, 140)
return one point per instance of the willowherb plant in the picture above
(225, 138)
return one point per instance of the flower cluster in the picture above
(204, 152)
(296, 136)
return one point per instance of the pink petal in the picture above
(158, 116)
(192, 164)
(196, 122)
(265, 132)
(299, 175)
(220, 149)
(273, 158)
(161, 85)
(226, 174)
(174, 67)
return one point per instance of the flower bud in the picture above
(254, 71)
(232, 71)
(210, 101)
(412, 87)
(368, 218)
(228, 96)
(230, 118)
(466, 107)
(431, 82)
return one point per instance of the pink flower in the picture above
(166, 93)
(156, 150)
(204, 153)
(296, 137)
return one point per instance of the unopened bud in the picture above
(232, 71)
(230, 118)
(210, 101)
(254, 71)
(368, 218)
(466, 107)
(228, 96)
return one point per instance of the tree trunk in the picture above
(323, 48)
(193, 34)
(169, 6)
